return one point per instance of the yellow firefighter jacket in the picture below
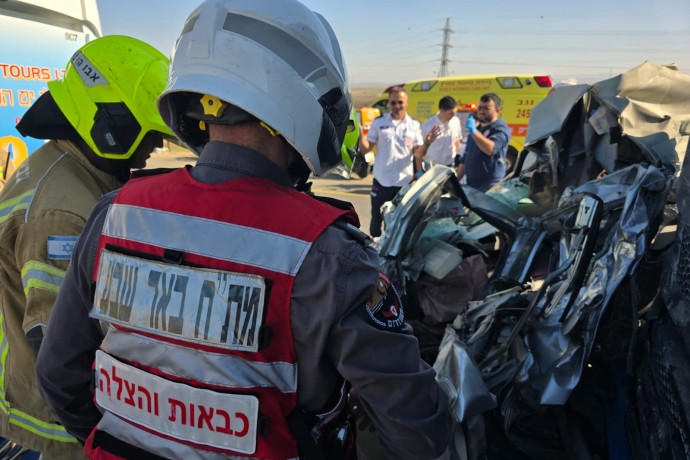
(43, 208)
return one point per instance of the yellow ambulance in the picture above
(520, 93)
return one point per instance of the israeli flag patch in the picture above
(60, 247)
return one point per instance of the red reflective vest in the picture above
(196, 280)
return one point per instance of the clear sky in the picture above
(387, 42)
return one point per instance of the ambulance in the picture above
(38, 38)
(520, 93)
(366, 115)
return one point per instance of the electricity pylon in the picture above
(443, 71)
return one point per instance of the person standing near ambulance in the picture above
(448, 136)
(484, 161)
(396, 136)
(102, 120)
(240, 310)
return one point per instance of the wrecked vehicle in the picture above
(554, 308)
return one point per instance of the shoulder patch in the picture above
(60, 247)
(383, 306)
(22, 173)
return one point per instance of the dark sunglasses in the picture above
(395, 102)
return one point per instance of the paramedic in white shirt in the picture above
(395, 135)
(448, 131)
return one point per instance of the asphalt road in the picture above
(354, 190)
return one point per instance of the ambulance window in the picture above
(509, 82)
(424, 85)
(382, 105)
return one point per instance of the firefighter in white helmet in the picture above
(240, 310)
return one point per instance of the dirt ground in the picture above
(365, 95)
(353, 190)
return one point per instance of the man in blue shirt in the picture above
(487, 144)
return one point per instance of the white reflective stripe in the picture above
(206, 237)
(87, 71)
(209, 368)
(223, 420)
(123, 430)
(4, 349)
(199, 305)
(52, 431)
(40, 275)
(15, 204)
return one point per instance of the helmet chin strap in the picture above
(118, 168)
(122, 169)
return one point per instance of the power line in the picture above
(585, 66)
(589, 49)
(400, 52)
(397, 41)
(585, 33)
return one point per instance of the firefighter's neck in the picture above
(103, 164)
(256, 137)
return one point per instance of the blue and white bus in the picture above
(37, 39)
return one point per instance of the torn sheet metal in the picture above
(563, 340)
(498, 214)
(531, 348)
(554, 350)
(579, 134)
(410, 209)
(515, 269)
(652, 103)
(434, 197)
(551, 113)
(459, 377)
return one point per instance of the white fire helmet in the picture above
(276, 60)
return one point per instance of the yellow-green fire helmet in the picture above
(347, 150)
(109, 92)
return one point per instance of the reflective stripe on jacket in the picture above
(171, 227)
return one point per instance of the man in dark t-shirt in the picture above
(487, 144)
